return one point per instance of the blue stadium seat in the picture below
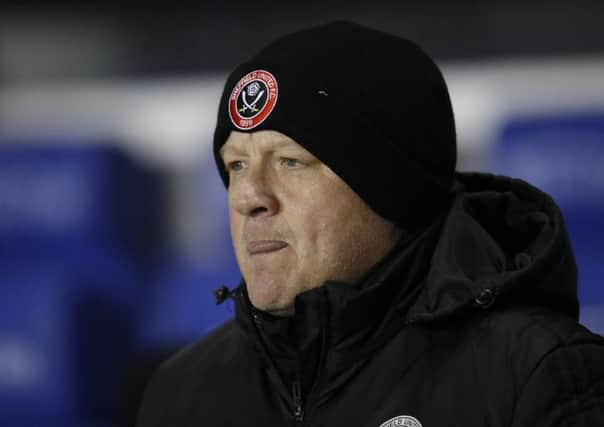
(67, 197)
(63, 337)
(79, 226)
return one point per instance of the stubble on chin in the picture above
(269, 286)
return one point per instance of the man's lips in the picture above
(264, 246)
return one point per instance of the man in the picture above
(380, 287)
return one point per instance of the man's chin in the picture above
(268, 304)
(279, 310)
(282, 312)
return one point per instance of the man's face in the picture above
(294, 222)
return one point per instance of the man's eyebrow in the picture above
(231, 148)
(281, 143)
(274, 145)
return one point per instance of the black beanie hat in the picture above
(371, 106)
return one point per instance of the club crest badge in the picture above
(402, 421)
(252, 99)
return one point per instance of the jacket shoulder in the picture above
(537, 329)
(554, 366)
(526, 334)
(565, 385)
(201, 363)
(213, 349)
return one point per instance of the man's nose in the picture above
(253, 194)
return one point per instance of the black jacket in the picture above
(471, 322)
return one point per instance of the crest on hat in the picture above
(253, 99)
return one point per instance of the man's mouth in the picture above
(265, 246)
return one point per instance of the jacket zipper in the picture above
(297, 395)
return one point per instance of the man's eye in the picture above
(289, 162)
(235, 165)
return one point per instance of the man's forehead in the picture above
(270, 139)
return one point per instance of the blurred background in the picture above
(113, 221)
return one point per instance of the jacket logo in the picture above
(402, 421)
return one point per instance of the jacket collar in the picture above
(345, 321)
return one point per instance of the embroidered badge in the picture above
(402, 421)
(252, 99)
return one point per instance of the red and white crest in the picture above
(253, 99)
